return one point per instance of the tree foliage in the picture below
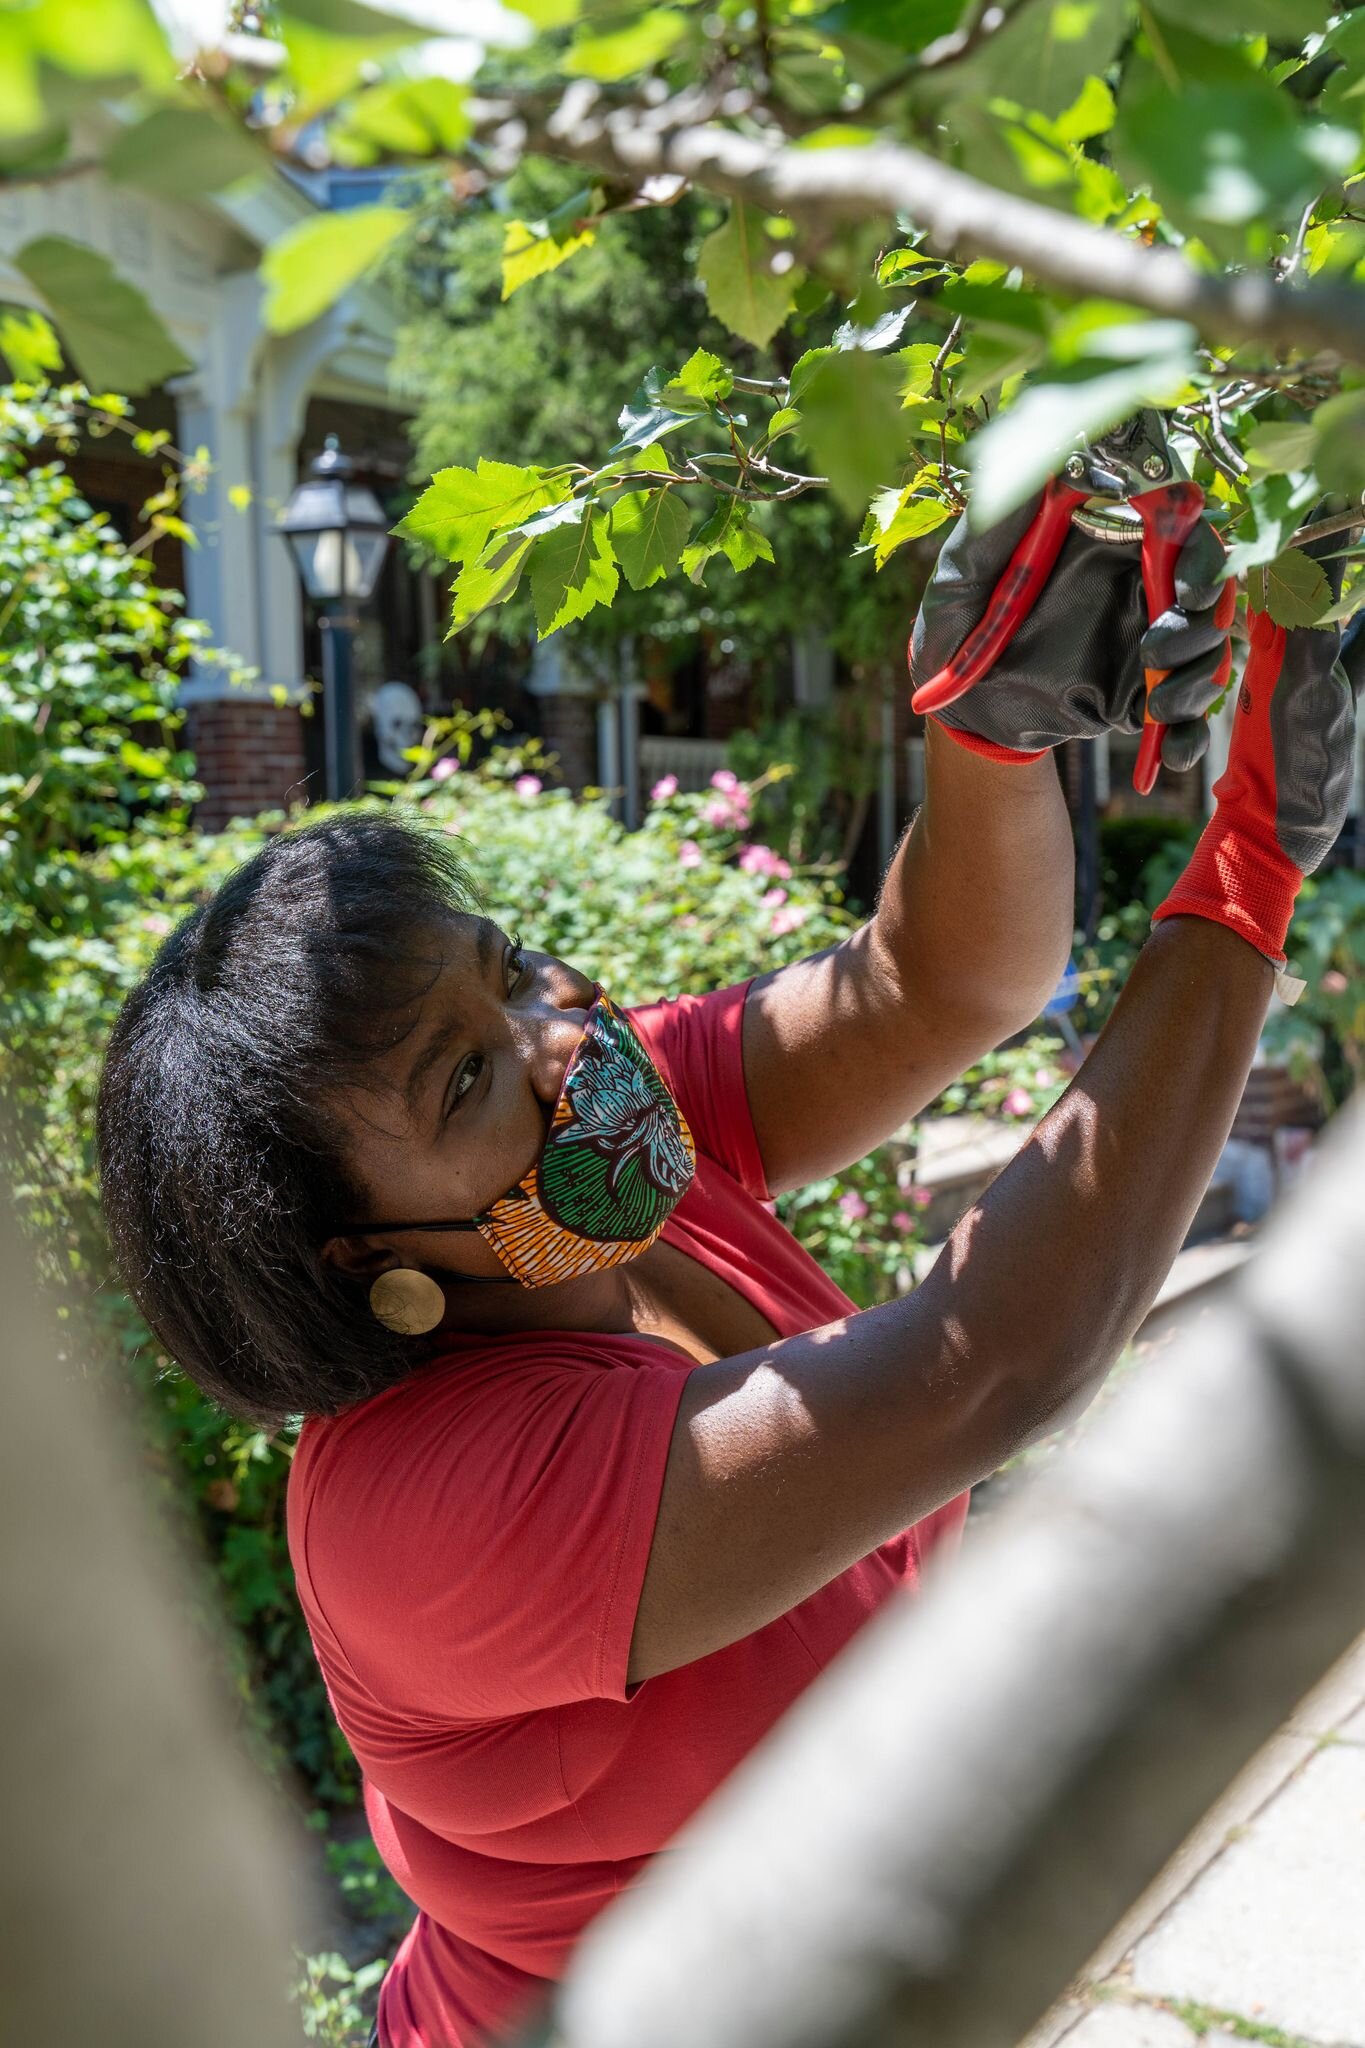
(1021, 221)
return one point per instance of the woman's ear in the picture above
(358, 1258)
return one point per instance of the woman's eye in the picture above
(466, 1075)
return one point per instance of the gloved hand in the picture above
(1074, 668)
(1282, 800)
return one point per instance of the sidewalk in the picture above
(1256, 1928)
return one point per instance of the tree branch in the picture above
(958, 215)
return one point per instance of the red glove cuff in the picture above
(1234, 880)
(987, 748)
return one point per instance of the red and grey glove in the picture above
(1075, 667)
(1282, 800)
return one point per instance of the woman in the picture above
(600, 1469)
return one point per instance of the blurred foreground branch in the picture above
(944, 1828)
(958, 214)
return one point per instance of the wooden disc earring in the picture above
(407, 1302)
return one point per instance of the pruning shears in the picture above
(1122, 486)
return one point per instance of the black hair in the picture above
(223, 1169)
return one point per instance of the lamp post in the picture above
(339, 537)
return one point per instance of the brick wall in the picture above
(249, 758)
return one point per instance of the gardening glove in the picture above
(1282, 800)
(1074, 668)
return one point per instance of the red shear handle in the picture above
(1011, 601)
(1169, 516)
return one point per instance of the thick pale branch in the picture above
(958, 214)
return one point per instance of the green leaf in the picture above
(29, 346)
(742, 288)
(805, 368)
(309, 266)
(851, 421)
(648, 414)
(1042, 59)
(898, 516)
(624, 52)
(108, 329)
(1293, 589)
(918, 361)
(883, 332)
(898, 264)
(1227, 155)
(908, 25)
(783, 420)
(703, 377)
(1271, 503)
(649, 530)
(1091, 113)
(572, 571)
(529, 250)
(990, 358)
(1275, 444)
(403, 117)
(324, 66)
(546, 13)
(1025, 445)
(729, 531)
(1340, 452)
(461, 509)
(1284, 21)
(186, 150)
(996, 305)
(488, 581)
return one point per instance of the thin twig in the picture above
(1319, 529)
(1287, 264)
(1220, 438)
(941, 359)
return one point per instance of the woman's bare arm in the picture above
(970, 936)
(790, 1463)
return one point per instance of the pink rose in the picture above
(664, 788)
(761, 860)
(789, 918)
(853, 1207)
(689, 854)
(1042, 1078)
(921, 1197)
(716, 813)
(772, 899)
(1018, 1103)
(726, 779)
(528, 785)
(903, 1220)
(444, 769)
(1334, 982)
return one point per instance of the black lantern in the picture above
(339, 537)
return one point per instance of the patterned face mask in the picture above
(618, 1159)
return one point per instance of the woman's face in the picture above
(459, 1110)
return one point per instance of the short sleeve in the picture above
(477, 1549)
(697, 1044)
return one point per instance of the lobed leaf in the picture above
(461, 509)
(730, 531)
(1293, 589)
(108, 329)
(649, 530)
(572, 570)
(529, 250)
(307, 268)
(735, 265)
